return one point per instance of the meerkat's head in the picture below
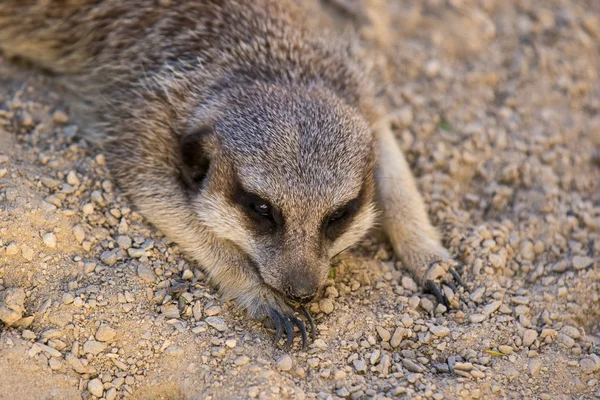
(288, 177)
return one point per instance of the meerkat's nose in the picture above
(301, 289)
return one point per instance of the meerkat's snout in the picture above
(301, 288)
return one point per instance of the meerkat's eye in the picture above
(338, 215)
(262, 209)
(338, 220)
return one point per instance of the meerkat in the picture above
(245, 137)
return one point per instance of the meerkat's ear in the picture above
(195, 156)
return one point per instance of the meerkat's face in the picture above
(290, 183)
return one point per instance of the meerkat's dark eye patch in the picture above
(339, 220)
(194, 157)
(264, 217)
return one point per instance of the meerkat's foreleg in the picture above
(403, 215)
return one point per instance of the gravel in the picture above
(495, 105)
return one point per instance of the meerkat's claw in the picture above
(311, 323)
(286, 321)
(289, 330)
(452, 286)
(277, 322)
(431, 287)
(444, 282)
(302, 328)
(458, 279)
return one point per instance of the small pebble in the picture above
(217, 323)
(60, 117)
(440, 331)
(427, 305)
(93, 347)
(476, 318)
(463, 366)
(27, 252)
(571, 332)
(170, 311)
(87, 209)
(432, 68)
(96, 387)
(409, 284)
(580, 262)
(360, 365)
(212, 311)
(397, 337)
(529, 337)
(29, 335)
(326, 305)
(174, 351)
(49, 240)
(241, 361)
(284, 363)
(67, 298)
(79, 233)
(187, 275)
(12, 249)
(383, 333)
(111, 394)
(491, 308)
(590, 364)
(146, 274)
(109, 257)
(72, 179)
(54, 363)
(12, 305)
(105, 333)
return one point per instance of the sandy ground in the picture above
(497, 106)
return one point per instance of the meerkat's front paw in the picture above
(436, 272)
(282, 316)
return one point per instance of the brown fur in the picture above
(200, 103)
